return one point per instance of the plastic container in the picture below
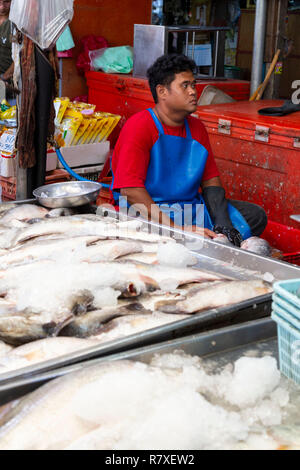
(286, 313)
(289, 348)
(287, 291)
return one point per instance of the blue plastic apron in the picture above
(173, 179)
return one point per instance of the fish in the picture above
(5, 207)
(219, 294)
(257, 245)
(108, 250)
(146, 258)
(220, 238)
(47, 418)
(40, 351)
(23, 212)
(43, 249)
(18, 329)
(61, 212)
(90, 323)
(4, 349)
(132, 324)
(76, 226)
(169, 278)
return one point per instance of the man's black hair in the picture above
(163, 71)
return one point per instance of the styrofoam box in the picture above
(8, 165)
(82, 155)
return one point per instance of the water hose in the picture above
(76, 176)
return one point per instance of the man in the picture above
(6, 62)
(163, 157)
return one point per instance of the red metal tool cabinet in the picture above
(258, 156)
(126, 95)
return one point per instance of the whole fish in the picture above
(108, 250)
(46, 418)
(146, 258)
(219, 294)
(132, 324)
(23, 212)
(43, 249)
(5, 207)
(61, 212)
(257, 245)
(23, 328)
(89, 324)
(76, 226)
(39, 351)
(4, 349)
(166, 278)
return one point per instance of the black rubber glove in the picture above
(232, 234)
(216, 203)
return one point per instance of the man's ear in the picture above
(161, 91)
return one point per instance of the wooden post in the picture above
(276, 32)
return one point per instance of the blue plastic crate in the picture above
(286, 315)
(289, 348)
(286, 306)
(287, 290)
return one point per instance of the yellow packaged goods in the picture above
(69, 126)
(86, 109)
(84, 139)
(113, 121)
(60, 105)
(77, 123)
(81, 131)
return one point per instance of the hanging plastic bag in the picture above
(42, 21)
(89, 43)
(113, 59)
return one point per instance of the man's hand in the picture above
(232, 234)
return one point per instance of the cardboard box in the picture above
(83, 155)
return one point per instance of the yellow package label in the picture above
(86, 109)
(84, 139)
(60, 105)
(97, 130)
(82, 129)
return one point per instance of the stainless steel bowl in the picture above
(69, 194)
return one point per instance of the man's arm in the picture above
(216, 203)
(144, 204)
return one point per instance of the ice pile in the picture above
(175, 255)
(54, 285)
(174, 404)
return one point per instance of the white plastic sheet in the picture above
(42, 21)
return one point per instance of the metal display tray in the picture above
(214, 318)
(214, 257)
(209, 344)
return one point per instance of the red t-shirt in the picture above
(131, 156)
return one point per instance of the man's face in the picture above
(4, 7)
(182, 95)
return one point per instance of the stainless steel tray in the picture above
(198, 323)
(213, 256)
(204, 345)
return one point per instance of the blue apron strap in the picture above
(157, 122)
(188, 130)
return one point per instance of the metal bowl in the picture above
(69, 194)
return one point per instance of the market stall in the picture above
(120, 333)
